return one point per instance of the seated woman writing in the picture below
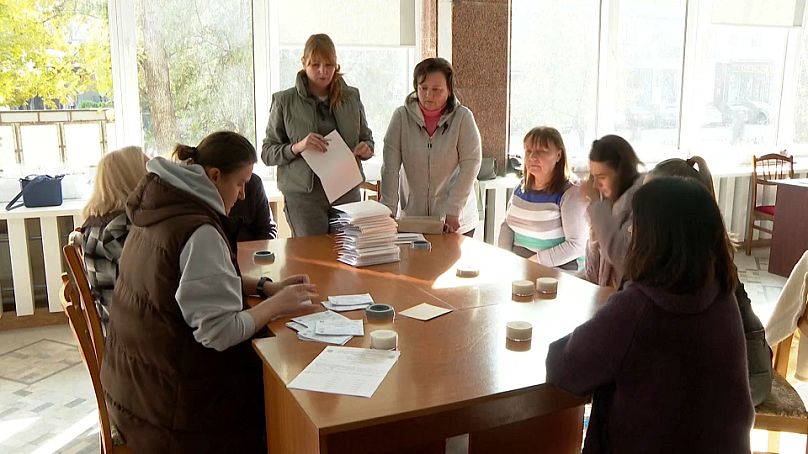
(179, 373)
(546, 218)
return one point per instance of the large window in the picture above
(195, 70)
(740, 76)
(554, 70)
(670, 76)
(648, 75)
(55, 80)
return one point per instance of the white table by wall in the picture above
(494, 195)
(51, 249)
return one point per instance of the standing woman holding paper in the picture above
(299, 120)
(432, 152)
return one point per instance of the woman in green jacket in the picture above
(299, 119)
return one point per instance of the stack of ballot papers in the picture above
(345, 303)
(366, 234)
(328, 327)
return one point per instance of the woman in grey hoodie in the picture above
(614, 180)
(432, 152)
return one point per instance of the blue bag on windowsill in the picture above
(38, 191)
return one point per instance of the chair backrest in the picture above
(86, 299)
(773, 166)
(78, 323)
(371, 186)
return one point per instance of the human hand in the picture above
(292, 299)
(312, 141)
(363, 151)
(275, 287)
(590, 190)
(451, 223)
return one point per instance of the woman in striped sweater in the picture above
(546, 219)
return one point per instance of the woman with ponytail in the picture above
(179, 373)
(758, 353)
(299, 120)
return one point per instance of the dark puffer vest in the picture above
(165, 391)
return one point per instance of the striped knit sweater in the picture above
(553, 226)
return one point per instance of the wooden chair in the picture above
(85, 299)
(111, 440)
(783, 410)
(375, 187)
(768, 167)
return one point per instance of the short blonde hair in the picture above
(118, 174)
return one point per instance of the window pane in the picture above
(554, 67)
(740, 76)
(83, 142)
(57, 59)
(801, 101)
(195, 70)
(648, 75)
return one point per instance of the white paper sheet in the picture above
(305, 325)
(327, 304)
(424, 311)
(340, 328)
(346, 370)
(351, 300)
(337, 167)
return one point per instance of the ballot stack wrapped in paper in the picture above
(366, 234)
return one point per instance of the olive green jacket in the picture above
(292, 117)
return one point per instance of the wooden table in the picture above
(457, 373)
(790, 232)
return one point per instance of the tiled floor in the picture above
(49, 405)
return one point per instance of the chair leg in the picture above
(749, 234)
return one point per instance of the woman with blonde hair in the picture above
(299, 120)
(546, 218)
(106, 226)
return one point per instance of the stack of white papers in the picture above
(345, 303)
(306, 327)
(366, 234)
(346, 370)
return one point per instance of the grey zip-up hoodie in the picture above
(209, 292)
(438, 172)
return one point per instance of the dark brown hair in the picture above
(321, 46)
(435, 65)
(618, 154)
(678, 240)
(225, 150)
(544, 136)
(686, 168)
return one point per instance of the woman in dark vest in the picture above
(179, 373)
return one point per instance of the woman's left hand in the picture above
(451, 223)
(363, 151)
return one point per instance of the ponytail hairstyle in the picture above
(320, 46)
(225, 150)
(676, 167)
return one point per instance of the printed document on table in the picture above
(346, 370)
(337, 167)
